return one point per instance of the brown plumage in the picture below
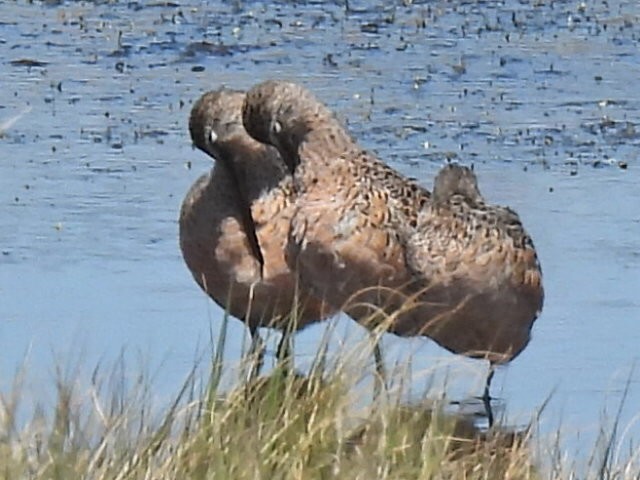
(344, 238)
(481, 282)
(451, 267)
(248, 194)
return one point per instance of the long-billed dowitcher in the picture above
(243, 204)
(367, 238)
(481, 282)
(345, 236)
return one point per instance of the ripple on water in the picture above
(536, 94)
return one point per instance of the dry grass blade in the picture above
(10, 122)
(286, 425)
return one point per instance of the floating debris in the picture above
(27, 62)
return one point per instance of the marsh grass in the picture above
(284, 425)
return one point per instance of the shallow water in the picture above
(540, 96)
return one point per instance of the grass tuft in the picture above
(282, 426)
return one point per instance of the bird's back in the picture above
(344, 233)
(479, 277)
(375, 244)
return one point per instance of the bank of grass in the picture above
(279, 426)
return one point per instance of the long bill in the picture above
(248, 223)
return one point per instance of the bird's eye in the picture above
(213, 136)
(277, 127)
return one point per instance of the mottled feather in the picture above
(344, 235)
(371, 241)
(213, 234)
(480, 279)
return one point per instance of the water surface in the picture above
(539, 96)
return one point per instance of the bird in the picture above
(479, 267)
(344, 239)
(234, 222)
(481, 280)
(381, 247)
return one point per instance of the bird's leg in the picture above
(381, 376)
(486, 397)
(283, 352)
(256, 354)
